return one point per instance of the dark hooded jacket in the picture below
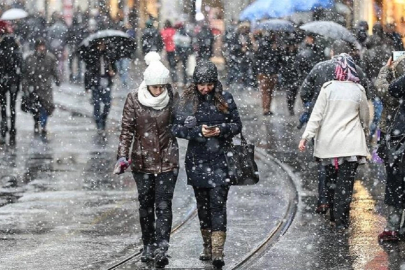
(322, 73)
(205, 159)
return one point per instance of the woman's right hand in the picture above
(302, 145)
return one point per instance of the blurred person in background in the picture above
(182, 41)
(39, 71)
(151, 38)
(204, 41)
(291, 76)
(268, 61)
(10, 78)
(394, 190)
(168, 33)
(75, 35)
(394, 36)
(100, 70)
(379, 49)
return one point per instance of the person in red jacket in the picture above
(168, 33)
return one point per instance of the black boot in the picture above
(12, 138)
(36, 129)
(44, 135)
(147, 253)
(161, 259)
(218, 242)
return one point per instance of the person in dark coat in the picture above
(379, 49)
(208, 117)
(324, 72)
(205, 42)
(151, 39)
(100, 70)
(240, 56)
(10, 79)
(268, 64)
(290, 72)
(39, 71)
(155, 158)
(75, 35)
(394, 154)
(395, 37)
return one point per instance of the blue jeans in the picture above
(43, 117)
(378, 108)
(101, 95)
(123, 67)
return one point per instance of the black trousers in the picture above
(155, 194)
(13, 90)
(171, 58)
(211, 206)
(340, 183)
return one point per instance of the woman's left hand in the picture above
(302, 145)
(210, 132)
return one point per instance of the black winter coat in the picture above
(92, 76)
(268, 57)
(322, 73)
(205, 159)
(397, 90)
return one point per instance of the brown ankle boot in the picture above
(206, 254)
(218, 242)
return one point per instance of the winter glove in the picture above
(190, 122)
(121, 165)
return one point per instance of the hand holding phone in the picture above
(210, 131)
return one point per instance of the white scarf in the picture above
(146, 98)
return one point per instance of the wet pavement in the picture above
(61, 207)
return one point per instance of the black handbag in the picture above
(242, 167)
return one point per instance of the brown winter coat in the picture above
(154, 148)
(37, 78)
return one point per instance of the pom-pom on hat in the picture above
(205, 72)
(156, 73)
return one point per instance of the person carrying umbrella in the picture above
(100, 69)
(339, 125)
(155, 157)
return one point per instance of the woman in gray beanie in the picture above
(146, 122)
(208, 117)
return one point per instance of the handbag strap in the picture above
(242, 139)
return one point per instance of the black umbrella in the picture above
(118, 44)
(276, 25)
(329, 29)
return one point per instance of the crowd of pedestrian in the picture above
(335, 82)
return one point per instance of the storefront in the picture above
(385, 11)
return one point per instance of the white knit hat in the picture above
(156, 72)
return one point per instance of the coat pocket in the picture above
(136, 155)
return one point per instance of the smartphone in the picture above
(397, 54)
(212, 127)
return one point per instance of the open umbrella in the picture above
(329, 29)
(14, 14)
(118, 44)
(275, 25)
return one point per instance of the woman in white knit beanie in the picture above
(154, 158)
